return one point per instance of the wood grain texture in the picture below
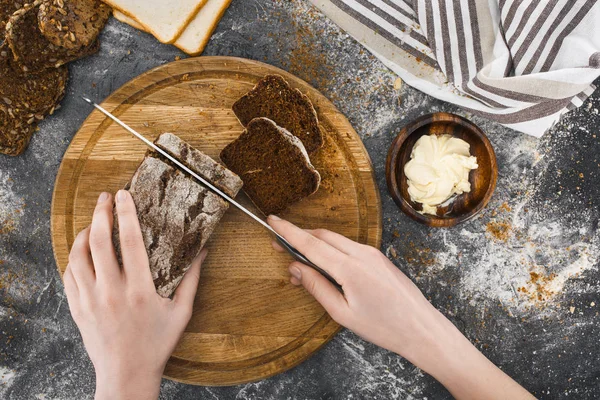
(483, 179)
(249, 322)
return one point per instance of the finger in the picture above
(81, 265)
(133, 251)
(101, 243)
(72, 293)
(325, 256)
(186, 291)
(71, 289)
(320, 288)
(277, 247)
(342, 243)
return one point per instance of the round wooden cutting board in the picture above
(249, 322)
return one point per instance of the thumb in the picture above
(186, 291)
(320, 288)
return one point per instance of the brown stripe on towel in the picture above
(399, 9)
(512, 10)
(568, 29)
(464, 62)
(534, 112)
(446, 34)
(384, 33)
(509, 94)
(472, 7)
(525, 20)
(430, 28)
(393, 21)
(538, 52)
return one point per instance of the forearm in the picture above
(452, 360)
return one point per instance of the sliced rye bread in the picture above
(177, 215)
(25, 99)
(72, 24)
(7, 8)
(31, 50)
(274, 98)
(273, 164)
(33, 95)
(15, 132)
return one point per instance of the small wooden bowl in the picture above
(483, 179)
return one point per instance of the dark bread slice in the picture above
(34, 95)
(15, 132)
(72, 24)
(177, 215)
(273, 164)
(31, 50)
(7, 8)
(274, 98)
(25, 99)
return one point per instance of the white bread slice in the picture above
(198, 32)
(164, 19)
(128, 20)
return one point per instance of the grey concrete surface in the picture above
(521, 280)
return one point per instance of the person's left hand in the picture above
(128, 330)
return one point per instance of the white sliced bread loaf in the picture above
(128, 20)
(198, 32)
(166, 20)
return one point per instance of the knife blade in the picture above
(297, 255)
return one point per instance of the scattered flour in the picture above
(523, 252)
(11, 206)
(379, 375)
(6, 379)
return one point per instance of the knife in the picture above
(298, 256)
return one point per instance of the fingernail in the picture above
(103, 197)
(121, 196)
(274, 218)
(296, 273)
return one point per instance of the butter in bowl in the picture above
(441, 170)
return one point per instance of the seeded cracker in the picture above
(31, 50)
(72, 24)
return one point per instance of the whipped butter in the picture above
(438, 169)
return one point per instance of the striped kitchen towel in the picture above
(522, 63)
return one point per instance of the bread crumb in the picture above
(397, 84)
(571, 309)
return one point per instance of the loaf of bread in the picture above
(177, 215)
(273, 164)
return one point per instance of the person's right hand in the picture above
(383, 306)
